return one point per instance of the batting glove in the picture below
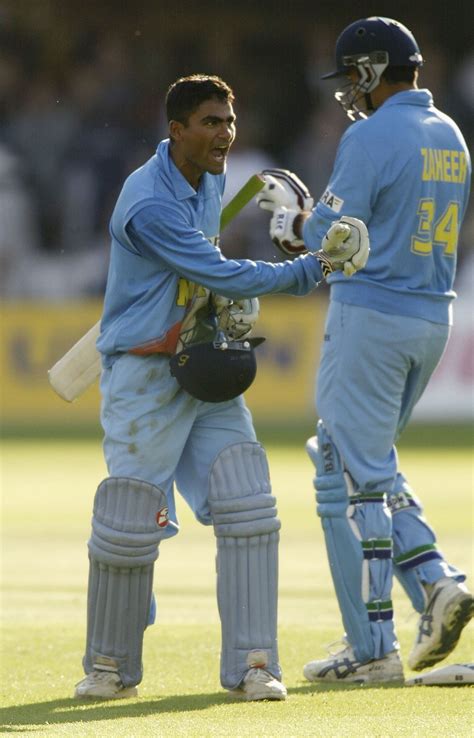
(283, 234)
(283, 189)
(345, 247)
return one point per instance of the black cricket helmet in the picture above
(216, 371)
(371, 45)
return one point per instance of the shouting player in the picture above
(165, 289)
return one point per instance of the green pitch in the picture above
(47, 495)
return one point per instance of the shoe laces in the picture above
(259, 675)
(425, 627)
(344, 646)
(101, 675)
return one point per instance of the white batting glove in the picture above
(345, 247)
(283, 189)
(282, 232)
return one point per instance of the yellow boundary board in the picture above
(36, 334)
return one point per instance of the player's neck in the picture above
(385, 90)
(190, 172)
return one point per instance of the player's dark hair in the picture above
(394, 74)
(186, 94)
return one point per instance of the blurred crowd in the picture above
(71, 131)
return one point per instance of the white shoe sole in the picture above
(454, 675)
(355, 679)
(122, 694)
(240, 694)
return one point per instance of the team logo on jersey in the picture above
(332, 201)
(162, 518)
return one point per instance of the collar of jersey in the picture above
(410, 97)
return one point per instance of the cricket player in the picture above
(403, 168)
(168, 287)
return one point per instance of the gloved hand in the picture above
(285, 196)
(283, 189)
(283, 234)
(345, 247)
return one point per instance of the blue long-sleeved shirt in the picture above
(165, 251)
(405, 172)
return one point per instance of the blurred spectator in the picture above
(312, 155)
(107, 141)
(19, 233)
(247, 236)
(462, 96)
(41, 130)
(434, 74)
(25, 270)
(18, 60)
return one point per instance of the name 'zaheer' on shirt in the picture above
(444, 165)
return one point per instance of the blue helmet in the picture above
(371, 45)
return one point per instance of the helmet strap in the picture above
(369, 106)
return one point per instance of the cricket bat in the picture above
(81, 365)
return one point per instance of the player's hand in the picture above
(283, 234)
(345, 247)
(283, 189)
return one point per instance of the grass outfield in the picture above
(47, 495)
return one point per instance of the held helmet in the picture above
(371, 45)
(218, 370)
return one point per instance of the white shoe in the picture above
(104, 685)
(259, 684)
(344, 667)
(449, 609)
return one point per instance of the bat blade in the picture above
(81, 365)
(78, 368)
(251, 188)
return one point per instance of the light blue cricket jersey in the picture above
(165, 251)
(405, 172)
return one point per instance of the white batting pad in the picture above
(247, 531)
(128, 523)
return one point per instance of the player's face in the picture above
(354, 77)
(203, 144)
(351, 96)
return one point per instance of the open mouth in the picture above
(219, 154)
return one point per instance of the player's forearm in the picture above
(189, 254)
(255, 279)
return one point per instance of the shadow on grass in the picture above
(37, 714)
(315, 688)
(54, 712)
